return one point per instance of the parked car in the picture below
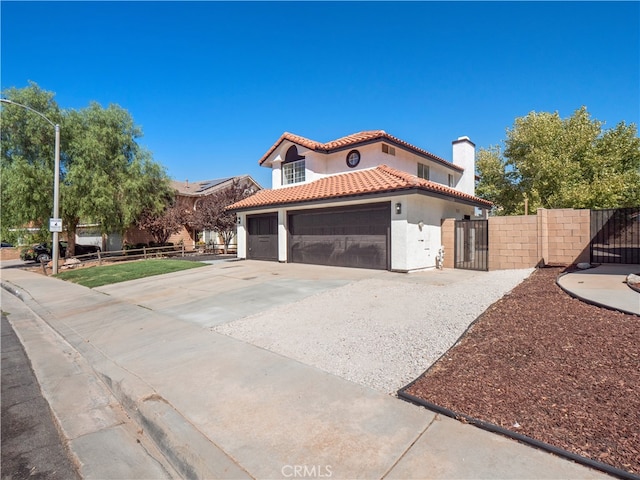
(83, 249)
(6, 245)
(41, 252)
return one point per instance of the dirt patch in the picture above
(551, 367)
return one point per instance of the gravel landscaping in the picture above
(551, 367)
(380, 332)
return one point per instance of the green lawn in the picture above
(97, 276)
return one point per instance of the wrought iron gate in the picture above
(472, 244)
(615, 235)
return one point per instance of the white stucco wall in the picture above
(241, 235)
(283, 238)
(319, 165)
(464, 155)
(415, 248)
(276, 172)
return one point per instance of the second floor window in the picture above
(293, 172)
(423, 171)
(293, 167)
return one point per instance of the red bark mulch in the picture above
(551, 367)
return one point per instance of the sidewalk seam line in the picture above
(420, 435)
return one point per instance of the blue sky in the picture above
(214, 84)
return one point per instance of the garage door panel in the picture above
(367, 251)
(262, 237)
(355, 237)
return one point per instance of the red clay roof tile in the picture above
(351, 141)
(362, 182)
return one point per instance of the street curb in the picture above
(94, 427)
(183, 446)
(191, 453)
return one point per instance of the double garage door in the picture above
(344, 236)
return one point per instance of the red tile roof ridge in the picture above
(353, 139)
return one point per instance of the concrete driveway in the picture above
(376, 328)
(227, 291)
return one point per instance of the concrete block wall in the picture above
(447, 232)
(551, 237)
(567, 236)
(513, 242)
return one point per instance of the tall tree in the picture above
(562, 163)
(110, 179)
(27, 160)
(211, 213)
(107, 178)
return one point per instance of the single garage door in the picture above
(262, 237)
(346, 236)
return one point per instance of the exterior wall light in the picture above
(398, 208)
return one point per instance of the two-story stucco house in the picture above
(365, 200)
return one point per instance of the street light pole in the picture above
(56, 178)
(56, 200)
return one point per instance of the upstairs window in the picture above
(423, 171)
(293, 167)
(451, 182)
(388, 149)
(293, 172)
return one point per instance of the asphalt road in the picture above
(31, 445)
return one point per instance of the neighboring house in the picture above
(188, 195)
(365, 200)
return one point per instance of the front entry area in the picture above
(472, 244)
(262, 237)
(357, 236)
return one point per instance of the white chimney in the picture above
(464, 156)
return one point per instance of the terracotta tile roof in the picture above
(351, 141)
(361, 182)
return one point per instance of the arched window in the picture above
(293, 167)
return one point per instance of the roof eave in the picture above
(391, 192)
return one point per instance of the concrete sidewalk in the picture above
(216, 407)
(604, 285)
